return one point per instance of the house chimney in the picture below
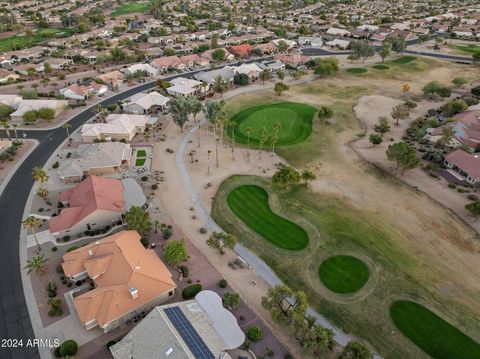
(133, 292)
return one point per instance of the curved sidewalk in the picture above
(257, 264)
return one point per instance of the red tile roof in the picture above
(467, 162)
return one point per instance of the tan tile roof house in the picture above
(169, 62)
(128, 279)
(466, 164)
(118, 126)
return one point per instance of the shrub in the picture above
(55, 165)
(144, 241)
(66, 238)
(154, 186)
(56, 353)
(145, 178)
(59, 269)
(222, 283)
(69, 348)
(184, 270)
(169, 150)
(72, 248)
(472, 197)
(166, 233)
(254, 333)
(460, 190)
(288, 356)
(203, 230)
(46, 113)
(54, 249)
(452, 185)
(191, 291)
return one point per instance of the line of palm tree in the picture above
(262, 138)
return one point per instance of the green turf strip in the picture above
(295, 120)
(357, 70)
(404, 60)
(343, 274)
(380, 67)
(432, 334)
(250, 204)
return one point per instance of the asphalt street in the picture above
(14, 318)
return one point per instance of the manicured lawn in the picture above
(141, 153)
(435, 336)
(343, 274)
(380, 67)
(20, 41)
(295, 120)
(469, 48)
(250, 204)
(140, 162)
(357, 70)
(130, 8)
(404, 60)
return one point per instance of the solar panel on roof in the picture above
(189, 335)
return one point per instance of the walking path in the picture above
(254, 261)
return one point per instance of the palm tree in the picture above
(15, 126)
(208, 161)
(39, 175)
(216, 152)
(32, 223)
(67, 127)
(6, 126)
(37, 264)
(262, 138)
(220, 85)
(248, 131)
(264, 76)
(273, 142)
(43, 193)
(233, 147)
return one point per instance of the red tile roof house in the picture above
(194, 60)
(128, 280)
(467, 165)
(241, 51)
(92, 204)
(164, 64)
(466, 130)
(294, 60)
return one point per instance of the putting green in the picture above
(380, 67)
(357, 70)
(343, 274)
(432, 334)
(295, 120)
(404, 60)
(250, 204)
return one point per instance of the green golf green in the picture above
(343, 274)
(380, 67)
(432, 334)
(295, 121)
(250, 204)
(357, 70)
(404, 60)
(130, 8)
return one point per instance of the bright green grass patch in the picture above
(140, 162)
(21, 41)
(141, 153)
(357, 70)
(130, 8)
(295, 120)
(404, 60)
(432, 334)
(343, 274)
(380, 67)
(250, 204)
(469, 48)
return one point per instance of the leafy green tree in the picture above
(282, 46)
(232, 300)
(284, 304)
(382, 126)
(168, 52)
(254, 333)
(194, 106)
(117, 54)
(385, 50)
(327, 66)
(240, 79)
(362, 50)
(398, 44)
(375, 139)
(403, 154)
(68, 348)
(221, 240)
(175, 252)
(265, 75)
(281, 74)
(459, 81)
(400, 112)
(355, 350)
(178, 107)
(453, 107)
(286, 176)
(308, 176)
(218, 55)
(220, 85)
(5, 111)
(137, 219)
(280, 87)
(473, 208)
(324, 114)
(38, 264)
